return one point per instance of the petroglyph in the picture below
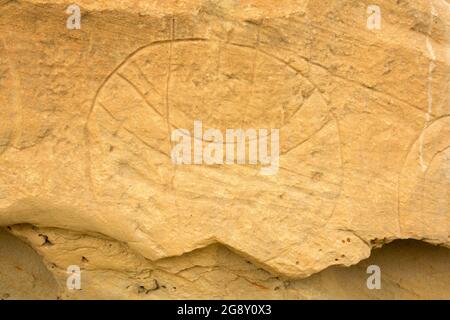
(424, 195)
(131, 110)
(87, 116)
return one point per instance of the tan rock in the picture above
(88, 115)
(110, 270)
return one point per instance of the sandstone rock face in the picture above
(86, 170)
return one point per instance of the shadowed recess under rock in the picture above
(110, 270)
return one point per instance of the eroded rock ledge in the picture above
(110, 270)
(87, 115)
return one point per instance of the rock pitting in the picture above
(86, 176)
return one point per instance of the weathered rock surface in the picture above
(87, 115)
(410, 270)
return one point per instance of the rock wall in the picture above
(109, 270)
(358, 94)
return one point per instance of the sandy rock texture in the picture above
(109, 270)
(86, 176)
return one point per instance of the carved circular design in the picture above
(223, 85)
